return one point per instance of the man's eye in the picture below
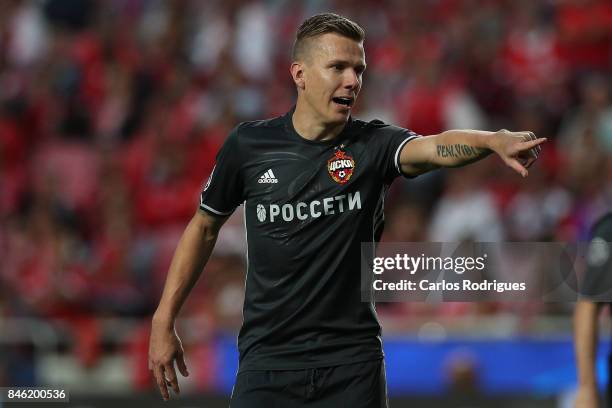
(338, 67)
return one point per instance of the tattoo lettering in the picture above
(459, 151)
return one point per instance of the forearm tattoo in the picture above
(460, 151)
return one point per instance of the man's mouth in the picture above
(344, 100)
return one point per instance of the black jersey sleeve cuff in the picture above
(396, 158)
(214, 212)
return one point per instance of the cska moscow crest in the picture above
(340, 167)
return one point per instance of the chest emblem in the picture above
(340, 167)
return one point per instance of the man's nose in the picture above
(351, 79)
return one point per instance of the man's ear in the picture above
(297, 73)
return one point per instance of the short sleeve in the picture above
(597, 282)
(387, 145)
(223, 191)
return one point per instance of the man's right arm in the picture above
(586, 338)
(192, 253)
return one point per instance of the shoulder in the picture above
(256, 126)
(377, 127)
(247, 132)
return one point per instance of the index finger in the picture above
(531, 143)
(533, 137)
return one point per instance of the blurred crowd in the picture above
(111, 113)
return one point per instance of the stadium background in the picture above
(111, 113)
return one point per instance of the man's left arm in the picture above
(455, 148)
(586, 337)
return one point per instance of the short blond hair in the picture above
(324, 23)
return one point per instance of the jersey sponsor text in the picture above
(314, 209)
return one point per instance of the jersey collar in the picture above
(287, 119)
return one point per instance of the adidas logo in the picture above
(268, 177)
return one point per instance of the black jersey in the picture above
(308, 206)
(597, 282)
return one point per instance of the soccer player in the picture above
(312, 183)
(596, 291)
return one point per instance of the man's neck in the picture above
(307, 124)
